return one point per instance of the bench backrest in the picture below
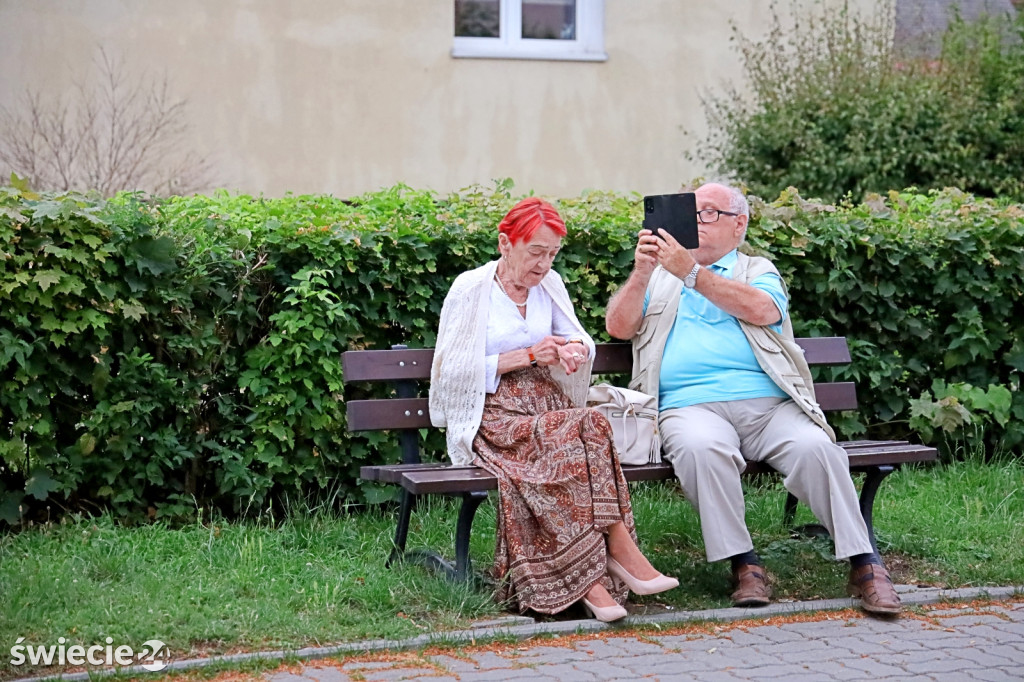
(406, 367)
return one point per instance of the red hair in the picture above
(528, 216)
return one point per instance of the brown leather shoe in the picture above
(874, 587)
(752, 586)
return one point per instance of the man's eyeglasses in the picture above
(710, 215)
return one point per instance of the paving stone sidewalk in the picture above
(963, 641)
(945, 635)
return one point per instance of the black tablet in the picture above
(676, 213)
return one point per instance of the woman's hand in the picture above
(557, 350)
(573, 356)
(547, 350)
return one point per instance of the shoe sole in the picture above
(871, 608)
(755, 601)
(882, 610)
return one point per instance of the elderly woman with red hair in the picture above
(509, 382)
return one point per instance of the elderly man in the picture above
(713, 341)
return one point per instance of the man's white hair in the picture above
(737, 203)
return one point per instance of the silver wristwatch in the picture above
(690, 281)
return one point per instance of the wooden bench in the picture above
(406, 412)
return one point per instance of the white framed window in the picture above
(530, 29)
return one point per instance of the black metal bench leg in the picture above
(408, 440)
(402, 529)
(807, 530)
(872, 479)
(790, 510)
(470, 502)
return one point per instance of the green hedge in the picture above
(157, 356)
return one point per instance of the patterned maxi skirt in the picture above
(559, 487)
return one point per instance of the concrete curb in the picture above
(522, 628)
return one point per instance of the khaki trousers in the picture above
(709, 445)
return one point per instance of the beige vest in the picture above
(778, 354)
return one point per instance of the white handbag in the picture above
(634, 419)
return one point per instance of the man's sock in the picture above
(858, 560)
(745, 558)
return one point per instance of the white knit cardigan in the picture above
(457, 376)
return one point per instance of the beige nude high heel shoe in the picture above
(661, 583)
(605, 614)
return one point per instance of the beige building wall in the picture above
(347, 96)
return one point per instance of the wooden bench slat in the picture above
(613, 358)
(451, 479)
(391, 413)
(386, 365)
(862, 455)
(392, 473)
(825, 350)
(884, 455)
(414, 413)
(414, 363)
(835, 396)
(437, 477)
(851, 445)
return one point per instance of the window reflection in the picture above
(549, 19)
(477, 18)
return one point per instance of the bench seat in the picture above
(434, 478)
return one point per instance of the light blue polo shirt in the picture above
(707, 357)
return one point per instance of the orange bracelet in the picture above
(533, 360)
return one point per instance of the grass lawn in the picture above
(315, 579)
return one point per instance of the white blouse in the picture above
(508, 330)
(458, 373)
